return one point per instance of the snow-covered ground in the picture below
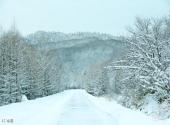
(73, 107)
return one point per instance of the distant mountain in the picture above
(42, 36)
(76, 54)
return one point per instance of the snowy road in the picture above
(73, 107)
(80, 110)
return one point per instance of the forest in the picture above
(126, 68)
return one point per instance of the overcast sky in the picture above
(107, 16)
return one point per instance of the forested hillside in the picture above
(134, 70)
(45, 63)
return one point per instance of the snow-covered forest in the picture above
(134, 70)
(51, 64)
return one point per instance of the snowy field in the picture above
(73, 107)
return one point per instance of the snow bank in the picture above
(124, 115)
(24, 98)
(153, 108)
(43, 111)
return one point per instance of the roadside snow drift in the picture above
(73, 107)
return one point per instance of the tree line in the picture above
(22, 70)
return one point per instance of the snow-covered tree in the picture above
(147, 61)
(9, 65)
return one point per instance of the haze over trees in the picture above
(45, 63)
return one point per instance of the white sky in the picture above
(107, 16)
